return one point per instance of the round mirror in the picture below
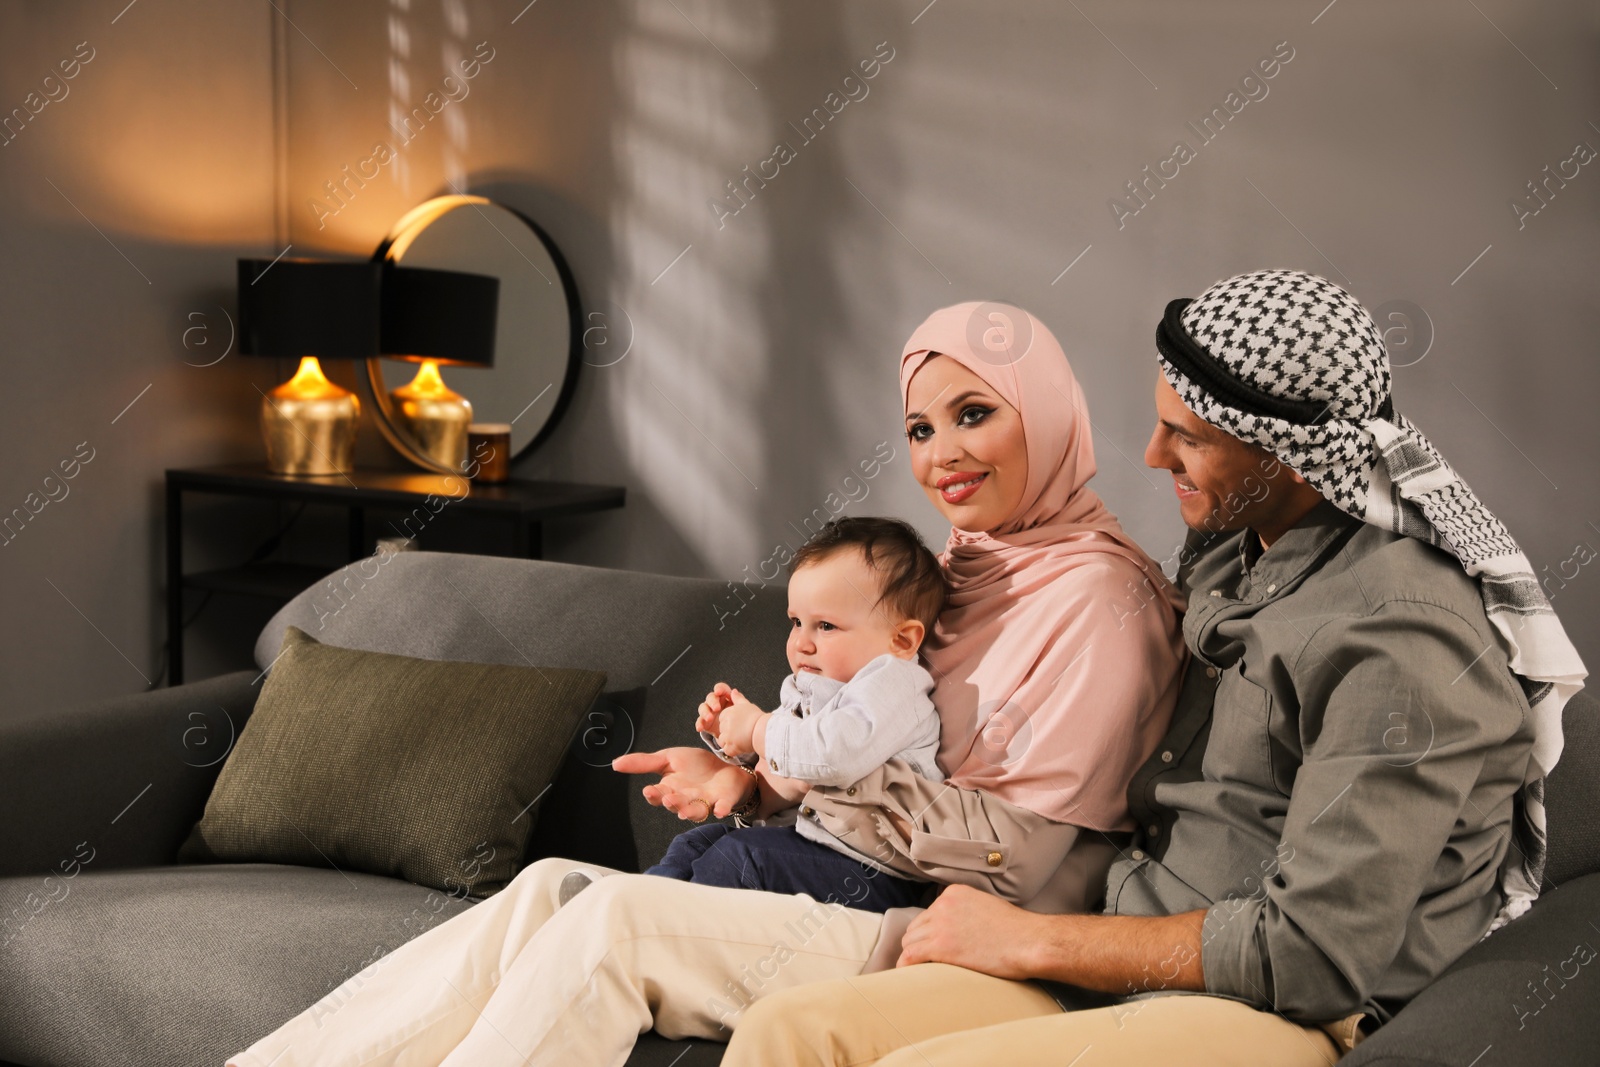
(537, 333)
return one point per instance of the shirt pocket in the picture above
(1144, 886)
(1117, 876)
(1239, 748)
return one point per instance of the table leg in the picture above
(527, 540)
(358, 533)
(174, 584)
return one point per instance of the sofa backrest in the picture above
(1572, 795)
(674, 637)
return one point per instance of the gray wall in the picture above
(123, 203)
(981, 163)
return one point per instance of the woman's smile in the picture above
(957, 487)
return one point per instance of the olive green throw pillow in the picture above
(418, 769)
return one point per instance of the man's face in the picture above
(1222, 483)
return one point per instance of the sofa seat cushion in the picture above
(190, 964)
(653, 1050)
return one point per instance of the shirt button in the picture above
(1155, 831)
(850, 792)
(772, 763)
(1211, 672)
(992, 859)
(1273, 588)
(1166, 757)
(807, 812)
(1216, 592)
(1136, 855)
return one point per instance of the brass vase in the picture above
(434, 415)
(309, 424)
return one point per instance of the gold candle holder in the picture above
(309, 424)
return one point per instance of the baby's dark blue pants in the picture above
(778, 860)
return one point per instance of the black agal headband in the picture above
(1200, 367)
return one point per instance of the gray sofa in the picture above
(135, 960)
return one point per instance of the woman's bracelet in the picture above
(747, 811)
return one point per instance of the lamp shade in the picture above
(306, 307)
(446, 316)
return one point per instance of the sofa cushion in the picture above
(187, 965)
(1528, 993)
(365, 761)
(675, 636)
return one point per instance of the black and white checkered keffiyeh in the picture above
(1295, 364)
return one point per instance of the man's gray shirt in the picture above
(1336, 788)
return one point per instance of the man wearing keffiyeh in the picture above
(1292, 363)
(1350, 792)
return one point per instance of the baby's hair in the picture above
(911, 580)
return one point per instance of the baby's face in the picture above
(835, 627)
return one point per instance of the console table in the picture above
(520, 506)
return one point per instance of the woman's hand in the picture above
(976, 930)
(695, 784)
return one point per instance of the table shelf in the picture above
(273, 581)
(520, 506)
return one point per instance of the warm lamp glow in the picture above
(434, 415)
(427, 385)
(309, 383)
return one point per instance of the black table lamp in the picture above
(433, 317)
(309, 310)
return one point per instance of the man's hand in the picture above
(973, 929)
(1110, 953)
(738, 726)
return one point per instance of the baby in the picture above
(863, 594)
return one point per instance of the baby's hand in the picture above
(711, 708)
(738, 722)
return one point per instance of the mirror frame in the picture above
(413, 221)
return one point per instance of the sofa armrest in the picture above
(122, 780)
(1531, 990)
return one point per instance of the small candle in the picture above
(489, 451)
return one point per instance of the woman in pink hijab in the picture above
(1057, 661)
(1058, 653)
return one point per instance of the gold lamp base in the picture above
(309, 424)
(435, 416)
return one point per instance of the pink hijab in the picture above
(1059, 653)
